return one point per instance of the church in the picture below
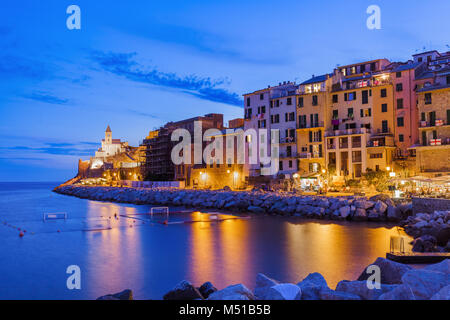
(110, 147)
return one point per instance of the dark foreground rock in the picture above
(183, 291)
(400, 283)
(391, 272)
(124, 295)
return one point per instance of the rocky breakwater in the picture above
(431, 232)
(377, 208)
(398, 282)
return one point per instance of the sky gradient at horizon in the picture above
(140, 64)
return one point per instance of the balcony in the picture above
(287, 140)
(309, 155)
(319, 124)
(346, 132)
(287, 155)
(437, 142)
(433, 124)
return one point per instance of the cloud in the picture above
(15, 66)
(65, 149)
(45, 98)
(122, 64)
(143, 114)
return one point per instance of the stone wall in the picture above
(429, 205)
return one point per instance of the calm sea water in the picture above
(150, 258)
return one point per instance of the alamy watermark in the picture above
(374, 20)
(73, 22)
(74, 280)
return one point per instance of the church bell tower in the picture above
(108, 135)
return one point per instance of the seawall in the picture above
(378, 208)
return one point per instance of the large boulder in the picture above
(234, 292)
(425, 243)
(393, 214)
(443, 294)
(360, 288)
(384, 198)
(380, 207)
(311, 286)
(360, 215)
(328, 294)
(443, 267)
(400, 292)
(263, 284)
(364, 204)
(425, 283)
(391, 272)
(284, 291)
(207, 289)
(123, 295)
(345, 211)
(183, 291)
(443, 236)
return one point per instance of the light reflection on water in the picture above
(151, 258)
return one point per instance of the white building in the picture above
(273, 108)
(110, 147)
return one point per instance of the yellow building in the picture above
(312, 114)
(360, 134)
(433, 153)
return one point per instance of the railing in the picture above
(287, 140)
(437, 142)
(343, 145)
(309, 155)
(435, 123)
(288, 155)
(319, 124)
(346, 132)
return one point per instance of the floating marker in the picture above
(21, 234)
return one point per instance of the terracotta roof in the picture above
(108, 129)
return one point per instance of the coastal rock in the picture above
(393, 214)
(364, 204)
(284, 291)
(425, 283)
(443, 294)
(380, 207)
(344, 211)
(311, 286)
(391, 272)
(443, 267)
(328, 294)
(123, 295)
(443, 236)
(400, 292)
(425, 243)
(360, 215)
(255, 209)
(183, 291)
(207, 289)
(361, 289)
(263, 284)
(235, 292)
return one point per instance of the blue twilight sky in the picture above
(138, 64)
